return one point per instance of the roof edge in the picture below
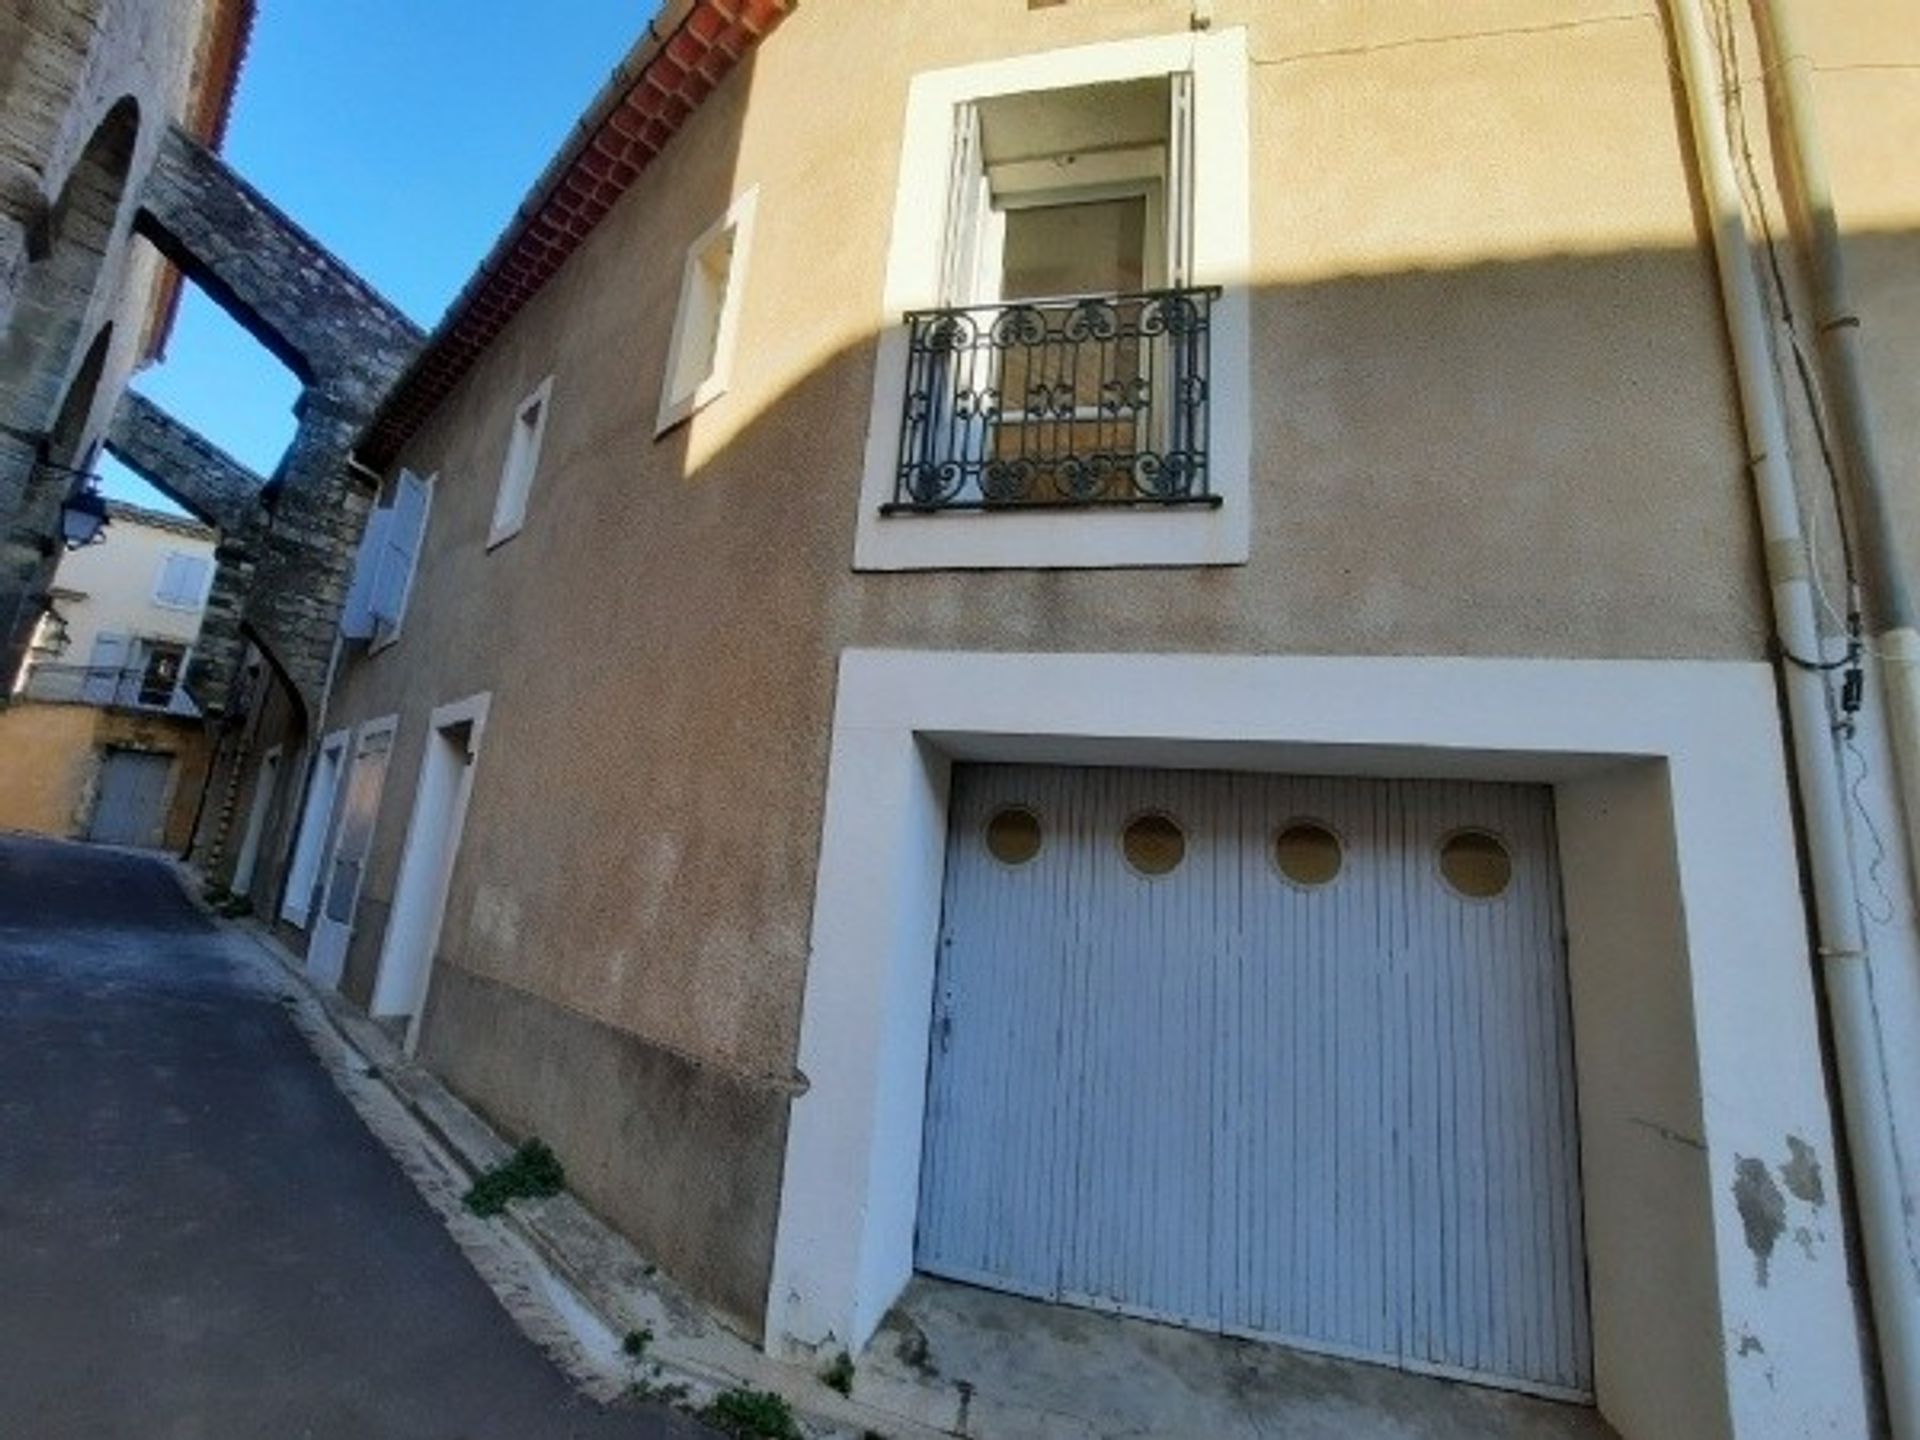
(686, 50)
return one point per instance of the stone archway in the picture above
(47, 384)
(67, 257)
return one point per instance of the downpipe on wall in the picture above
(1893, 1291)
(1890, 601)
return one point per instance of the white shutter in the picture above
(399, 553)
(183, 581)
(1180, 158)
(104, 665)
(968, 203)
(356, 615)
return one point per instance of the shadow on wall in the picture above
(1534, 458)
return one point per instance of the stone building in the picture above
(112, 197)
(89, 90)
(1144, 653)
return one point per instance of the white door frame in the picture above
(1697, 1036)
(265, 781)
(316, 818)
(426, 861)
(327, 936)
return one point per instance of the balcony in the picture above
(1076, 403)
(139, 687)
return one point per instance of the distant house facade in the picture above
(103, 738)
(1128, 651)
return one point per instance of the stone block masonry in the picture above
(347, 344)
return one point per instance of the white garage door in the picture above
(1274, 1056)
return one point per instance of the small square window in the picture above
(700, 358)
(522, 463)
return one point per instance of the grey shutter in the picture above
(966, 205)
(356, 615)
(399, 552)
(1180, 161)
(104, 664)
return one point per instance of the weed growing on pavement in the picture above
(839, 1375)
(751, 1415)
(651, 1389)
(532, 1171)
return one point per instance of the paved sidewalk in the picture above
(198, 1237)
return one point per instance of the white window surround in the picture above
(521, 465)
(1222, 255)
(316, 822)
(1697, 1033)
(707, 318)
(382, 637)
(426, 869)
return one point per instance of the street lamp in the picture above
(83, 515)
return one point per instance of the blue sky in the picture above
(402, 133)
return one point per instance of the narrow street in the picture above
(198, 1238)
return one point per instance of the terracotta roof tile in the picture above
(650, 97)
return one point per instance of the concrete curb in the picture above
(575, 1271)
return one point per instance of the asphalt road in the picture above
(198, 1238)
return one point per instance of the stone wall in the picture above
(87, 88)
(346, 343)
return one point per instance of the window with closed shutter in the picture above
(182, 583)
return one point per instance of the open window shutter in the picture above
(399, 551)
(104, 664)
(967, 204)
(1180, 181)
(356, 615)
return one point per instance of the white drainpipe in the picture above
(1893, 1288)
(1890, 600)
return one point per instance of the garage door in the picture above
(132, 805)
(1273, 1056)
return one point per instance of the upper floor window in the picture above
(521, 464)
(1068, 365)
(182, 582)
(700, 357)
(1069, 263)
(389, 554)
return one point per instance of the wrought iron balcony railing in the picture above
(128, 687)
(1072, 403)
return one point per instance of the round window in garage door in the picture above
(1308, 853)
(1475, 864)
(1154, 844)
(1013, 835)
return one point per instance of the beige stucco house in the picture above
(101, 737)
(1145, 653)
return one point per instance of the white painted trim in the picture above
(325, 934)
(265, 781)
(316, 820)
(520, 467)
(380, 641)
(677, 401)
(1223, 239)
(1692, 748)
(426, 867)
